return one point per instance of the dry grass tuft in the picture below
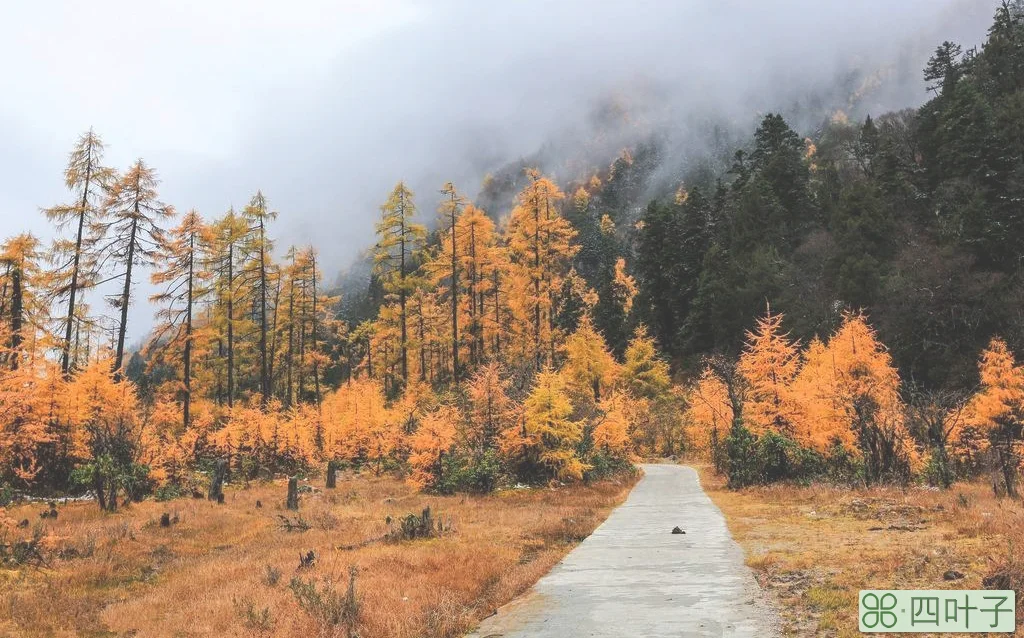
(225, 570)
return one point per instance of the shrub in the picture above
(603, 466)
(741, 459)
(477, 474)
(6, 494)
(411, 527)
(169, 492)
(327, 607)
(256, 620)
(271, 575)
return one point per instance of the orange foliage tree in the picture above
(544, 443)
(769, 364)
(997, 410)
(434, 438)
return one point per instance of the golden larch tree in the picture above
(74, 257)
(997, 409)
(399, 241)
(769, 364)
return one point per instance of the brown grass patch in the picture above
(814, 548)
(224, 570)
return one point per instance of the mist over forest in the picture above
(325, 106)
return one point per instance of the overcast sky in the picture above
(326, 104)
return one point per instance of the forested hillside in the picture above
(914, 217)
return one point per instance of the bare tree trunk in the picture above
(293, 493)
(65, 357)
(17, 312)
(220, 471)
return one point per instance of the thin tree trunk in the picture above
(231, 324)
(455, 295)
(65, 359)
(187, 355)
(497, 314)
(126, 295)
(264, 364)
(401, 297)
(290, 389)
(536, 279)
(17, 315)
(316, 360)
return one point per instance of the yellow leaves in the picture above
(769, 364)
(547, 435)
(491, 409)
(611, 434)
(624, 286)
(434, 437)
(1000, 401)
(358, 426)
(606, 225)
(644, 374)
(97, 401)
(708, 411)
(540, 245)
(589, 368)
(681, 195)
(581, 199)
(826, 394)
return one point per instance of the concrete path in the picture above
(633, 577)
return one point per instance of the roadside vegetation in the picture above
(813, 548)
(371, 557)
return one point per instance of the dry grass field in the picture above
(227, 570)
(815, 547)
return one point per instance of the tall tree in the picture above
(179, 270)
(399, 241)
(132, 235)
(540, 242)
(75, 259)
(450, 209)
(258, 247)
(222, 258)
(998, 409)
(20, 298)
(769, 364)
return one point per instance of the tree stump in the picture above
(165, 520)
(293, 493)
(332, 478)
(220, 471)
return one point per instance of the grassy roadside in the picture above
(813, 548)
(224, 570)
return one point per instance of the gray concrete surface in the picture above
(633, 577)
